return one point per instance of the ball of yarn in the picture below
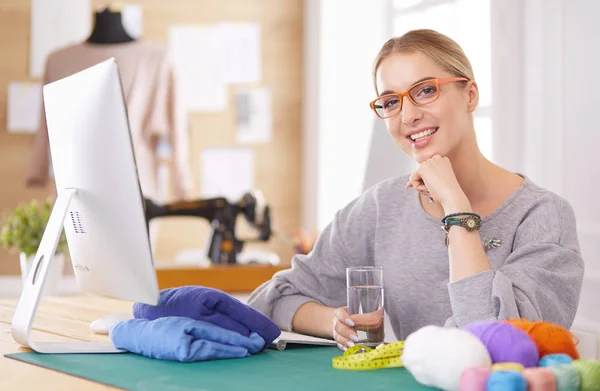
(555, 359)
(474, 379)
(506, 381)
(589, 373)
(437, 356)
(567, 377)
(539, 379)
(508, 366)
(505, 343)
(550, 338)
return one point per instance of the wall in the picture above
(579, 145)
(14, 149)
(278, 163)
(544, 105)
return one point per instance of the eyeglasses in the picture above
(420, 94)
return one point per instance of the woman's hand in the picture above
(436, 177)
(343, 329)
(345, 326)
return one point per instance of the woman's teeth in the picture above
(422, 134)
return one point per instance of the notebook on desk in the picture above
(287, 338)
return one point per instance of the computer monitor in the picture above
(99, 202)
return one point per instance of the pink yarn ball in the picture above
(474, 379)
(540, 379)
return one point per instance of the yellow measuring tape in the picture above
(364, 358)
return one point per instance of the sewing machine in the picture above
(224, 247)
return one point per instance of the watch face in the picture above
(471, 223)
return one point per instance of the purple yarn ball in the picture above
(505, 342)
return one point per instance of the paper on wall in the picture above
(226, 172)
(254, 115)
(197, 56)
(241, 52)
(23, 107)
(56, 24)
(132, 20)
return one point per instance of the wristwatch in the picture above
(469, 221)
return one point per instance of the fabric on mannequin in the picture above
(150, 88)
(108, 28)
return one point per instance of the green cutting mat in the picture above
(296, 368)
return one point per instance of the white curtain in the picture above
(545, 104)
(527, 74)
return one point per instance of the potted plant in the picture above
(21, 231)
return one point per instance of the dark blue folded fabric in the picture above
(182, 339)
(210, 305)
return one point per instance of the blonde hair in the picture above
(439, 48)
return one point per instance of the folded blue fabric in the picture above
(210, 305)
(182, 339)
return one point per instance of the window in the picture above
(468, 23)
(344, 87)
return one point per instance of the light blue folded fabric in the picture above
(182, 339)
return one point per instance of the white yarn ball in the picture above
(437, 356)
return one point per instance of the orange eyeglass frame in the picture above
(406, 93)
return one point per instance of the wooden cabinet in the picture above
(230, 279)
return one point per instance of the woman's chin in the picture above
(423, 156)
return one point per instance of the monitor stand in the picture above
(32, 290)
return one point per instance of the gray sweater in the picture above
(536, 274)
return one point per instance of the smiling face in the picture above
(438, 127)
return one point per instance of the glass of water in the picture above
(365, 297)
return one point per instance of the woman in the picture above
(508, 248)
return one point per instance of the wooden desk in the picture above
(58, 319)
(68, 318)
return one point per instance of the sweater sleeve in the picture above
(320, 276)
(541, 279)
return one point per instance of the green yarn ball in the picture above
(567, 377)
(589, 373)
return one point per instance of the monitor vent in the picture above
(77, 224)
